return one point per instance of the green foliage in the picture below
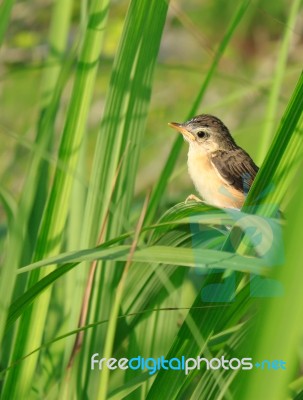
(87, 268)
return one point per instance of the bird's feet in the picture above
(194, 198)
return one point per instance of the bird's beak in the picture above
(180, 128)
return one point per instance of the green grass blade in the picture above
(5, 13)
(159, 254)
(277, 80)
(203, 259)
(20, 223)
(280, 320)
(121, 130)
(281, 162)
(128, 387)
(119, 143)
(20, 378)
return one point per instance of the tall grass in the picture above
(92, 267)
(5, 12)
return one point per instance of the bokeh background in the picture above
(239, 93)
(80, 154)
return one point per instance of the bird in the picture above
(221, 171)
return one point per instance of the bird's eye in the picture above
(201, 134)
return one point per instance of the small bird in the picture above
(221, 171)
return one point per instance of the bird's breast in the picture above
(210, 185)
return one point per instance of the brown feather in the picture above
(236, 168)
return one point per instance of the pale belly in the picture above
(213, 189)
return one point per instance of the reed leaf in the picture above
(38, 169)
(19, 379)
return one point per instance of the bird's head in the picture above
(205, 132)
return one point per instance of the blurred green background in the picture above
(86, 91)
(238, 94)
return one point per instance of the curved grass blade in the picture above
(202, 259)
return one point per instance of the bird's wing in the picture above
(235, 167)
